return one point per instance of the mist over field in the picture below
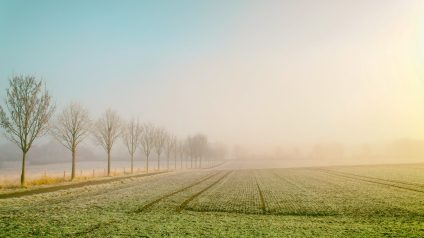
(262, 80)
(398, 151)
(235, 118)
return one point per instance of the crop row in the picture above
(310, 192)
(402, 173)
(287, 197)
(357, 197)
(385, 182)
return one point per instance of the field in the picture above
(355, 201)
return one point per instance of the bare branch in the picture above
(160, 137)
(72, 126)
(147, 139)
(107, 129)
(131, 135)
(25, 117)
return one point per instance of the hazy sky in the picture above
(264, 72)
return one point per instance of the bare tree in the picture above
(28, 109)
(107, 131)
(147, 141)
(131, 134)
(175, 151)
(190, 147)
(169, 147)
(71, 128)
(200, 148)
(160, 140)
(181, 152)
(197, 147)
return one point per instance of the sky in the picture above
(242, 72)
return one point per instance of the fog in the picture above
(297, 82)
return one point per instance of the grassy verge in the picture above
(47, 184)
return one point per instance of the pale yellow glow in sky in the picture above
(349, 73)
(251, 73)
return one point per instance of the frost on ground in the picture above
(333, 201)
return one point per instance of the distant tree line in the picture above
(28, 111)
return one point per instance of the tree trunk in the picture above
(73, 164)
(108, 163)
(200, 162)
(23, 168)
(147, 163)
(167, 166)
(132, 163)
(158, 162)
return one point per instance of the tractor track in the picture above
(261, 196)
(150, 204)
(186, 202)
(420, 185)
(97, 226)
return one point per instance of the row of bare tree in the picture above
(27, 115)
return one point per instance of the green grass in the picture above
(295, 202)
